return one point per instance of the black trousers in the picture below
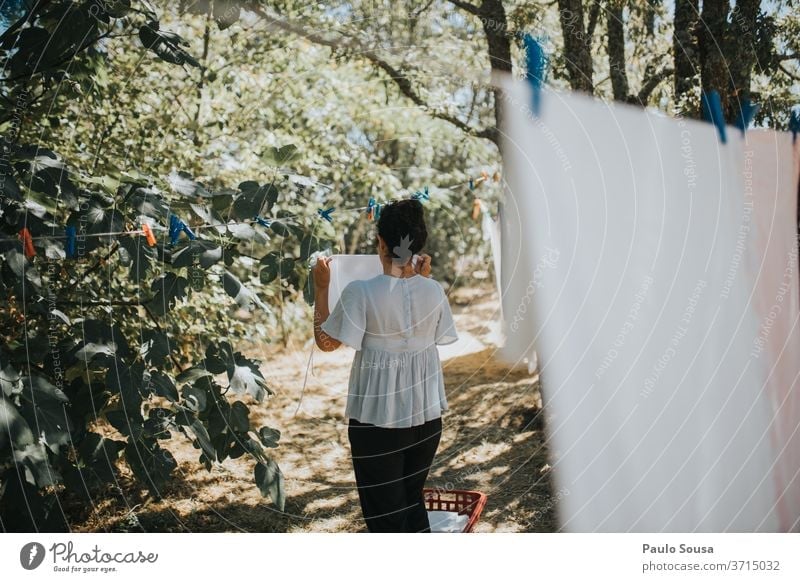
(391, 465)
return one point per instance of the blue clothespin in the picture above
(711, 105)
(746, 114)
(377, 214)
(371, 208)
(326, 214)
(794, 122)
(471, 184)
(176, 227)
(262, 221)
(185, 228)
(421, 196)
(70, 243)
(536, 63)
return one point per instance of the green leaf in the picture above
(151, 464)
(34, 462)
(158, 424)
(279, 228)
(192, 374)
(309, 245)
(99, 454)
(44, 408)
(117, 8)
(155, 347)
(130, 383)
(195, 398)
(239, 420)
(163, 386)
(39, 390)
(254, 200)
(271, 483)
(203, 440)
(165, 44)
(100, 332)
(13, 428)
(88, 351)
(244, 297)
(138, 254)
(168, 289)
(202, 252)
(23, 269)
(269, 437)
(279, 156)
(271, 270)
(223, 445)
(219, 357)
(286, 267)
(247, 379)
(129, 424)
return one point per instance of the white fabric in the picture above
(625, 263)
(447, 521)
(775, 177)
(394, 324)
(346, 268)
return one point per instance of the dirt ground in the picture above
(493, 441)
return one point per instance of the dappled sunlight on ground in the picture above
(493, 441)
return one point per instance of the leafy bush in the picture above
(94, 365)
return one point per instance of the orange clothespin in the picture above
(496, 176)
(27, 243)
(480, 179)
(148, 235)
(476, 208)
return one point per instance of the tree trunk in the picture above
(685, 51)
(741, 52)
(577, 45)
(493, 16)
(650, 17)
(712, 35)
(616, 50)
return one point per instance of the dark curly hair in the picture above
(403, 219)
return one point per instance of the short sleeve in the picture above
(445, 327)
(347, 321)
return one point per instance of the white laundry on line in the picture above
(347, 268)
(630, 261)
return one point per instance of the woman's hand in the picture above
(423, 266)
(322, 273)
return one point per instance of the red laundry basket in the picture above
(469, 503)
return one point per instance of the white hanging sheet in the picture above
(625, 264)
(347, 268)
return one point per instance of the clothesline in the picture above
(177, 225)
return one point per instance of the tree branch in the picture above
(788, 72)
(154, 319)
(38, 7)
(594, 16)
(64, 59)
(466, 6)
(400, 79)
(651, 83)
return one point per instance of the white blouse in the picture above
(394, 324)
